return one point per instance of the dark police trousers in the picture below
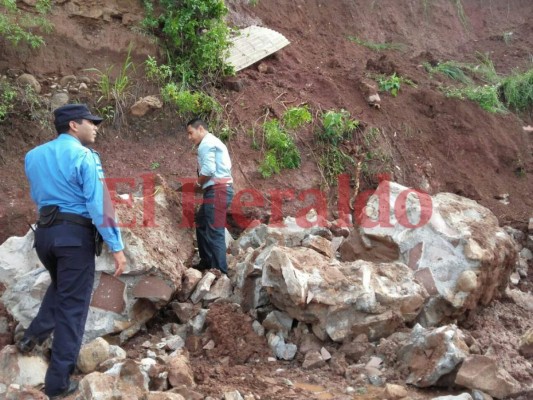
(67, 252)
(211, 226)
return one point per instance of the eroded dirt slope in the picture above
(431, 142)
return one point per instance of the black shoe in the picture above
(72, 387)
(202, 266)
(25, 345)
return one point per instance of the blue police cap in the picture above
(71, 112)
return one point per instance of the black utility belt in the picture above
(50, 215)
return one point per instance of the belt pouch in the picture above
(47, 216)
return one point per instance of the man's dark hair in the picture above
(196, 122)
(64, 128)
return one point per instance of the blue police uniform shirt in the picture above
(214, 160)
(65, 173)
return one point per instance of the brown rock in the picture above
(180, 372)
(264, 68)
(29, 80)
(309, 342)
(482, 373)
(152, 288)
(376, 249)
(393, 392)
(191, 277)
(318, 243)
(234, 84)
(313, 359)
(144, 105)
(185, 311)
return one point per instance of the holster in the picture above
(98, 242)
(47, 216)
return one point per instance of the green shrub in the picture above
(18, 26)
(518, 90)
(189, 103)
(296, 117)
(195, 36)
(337, 126)
(281, 150)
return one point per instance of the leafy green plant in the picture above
(195, 35)
(518, 90)
(154, 165)
(336, 126)
(270, 165)
(189, 103)
(160, 73)
(376, 46)
(8, 97)
(18, 26)
(296, 117)
(390, 84)
(106, 112)
(281, 150)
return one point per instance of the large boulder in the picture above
(341, 300)
(155, 252)
(454, 246)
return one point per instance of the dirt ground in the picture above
(431, 142)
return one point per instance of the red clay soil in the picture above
(430, 141)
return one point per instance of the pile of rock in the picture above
(325, 296)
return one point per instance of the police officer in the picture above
(214, 178)
(66, 184)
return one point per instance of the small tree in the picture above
(18, 26)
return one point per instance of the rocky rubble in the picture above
(118, 305)
(290, 296)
